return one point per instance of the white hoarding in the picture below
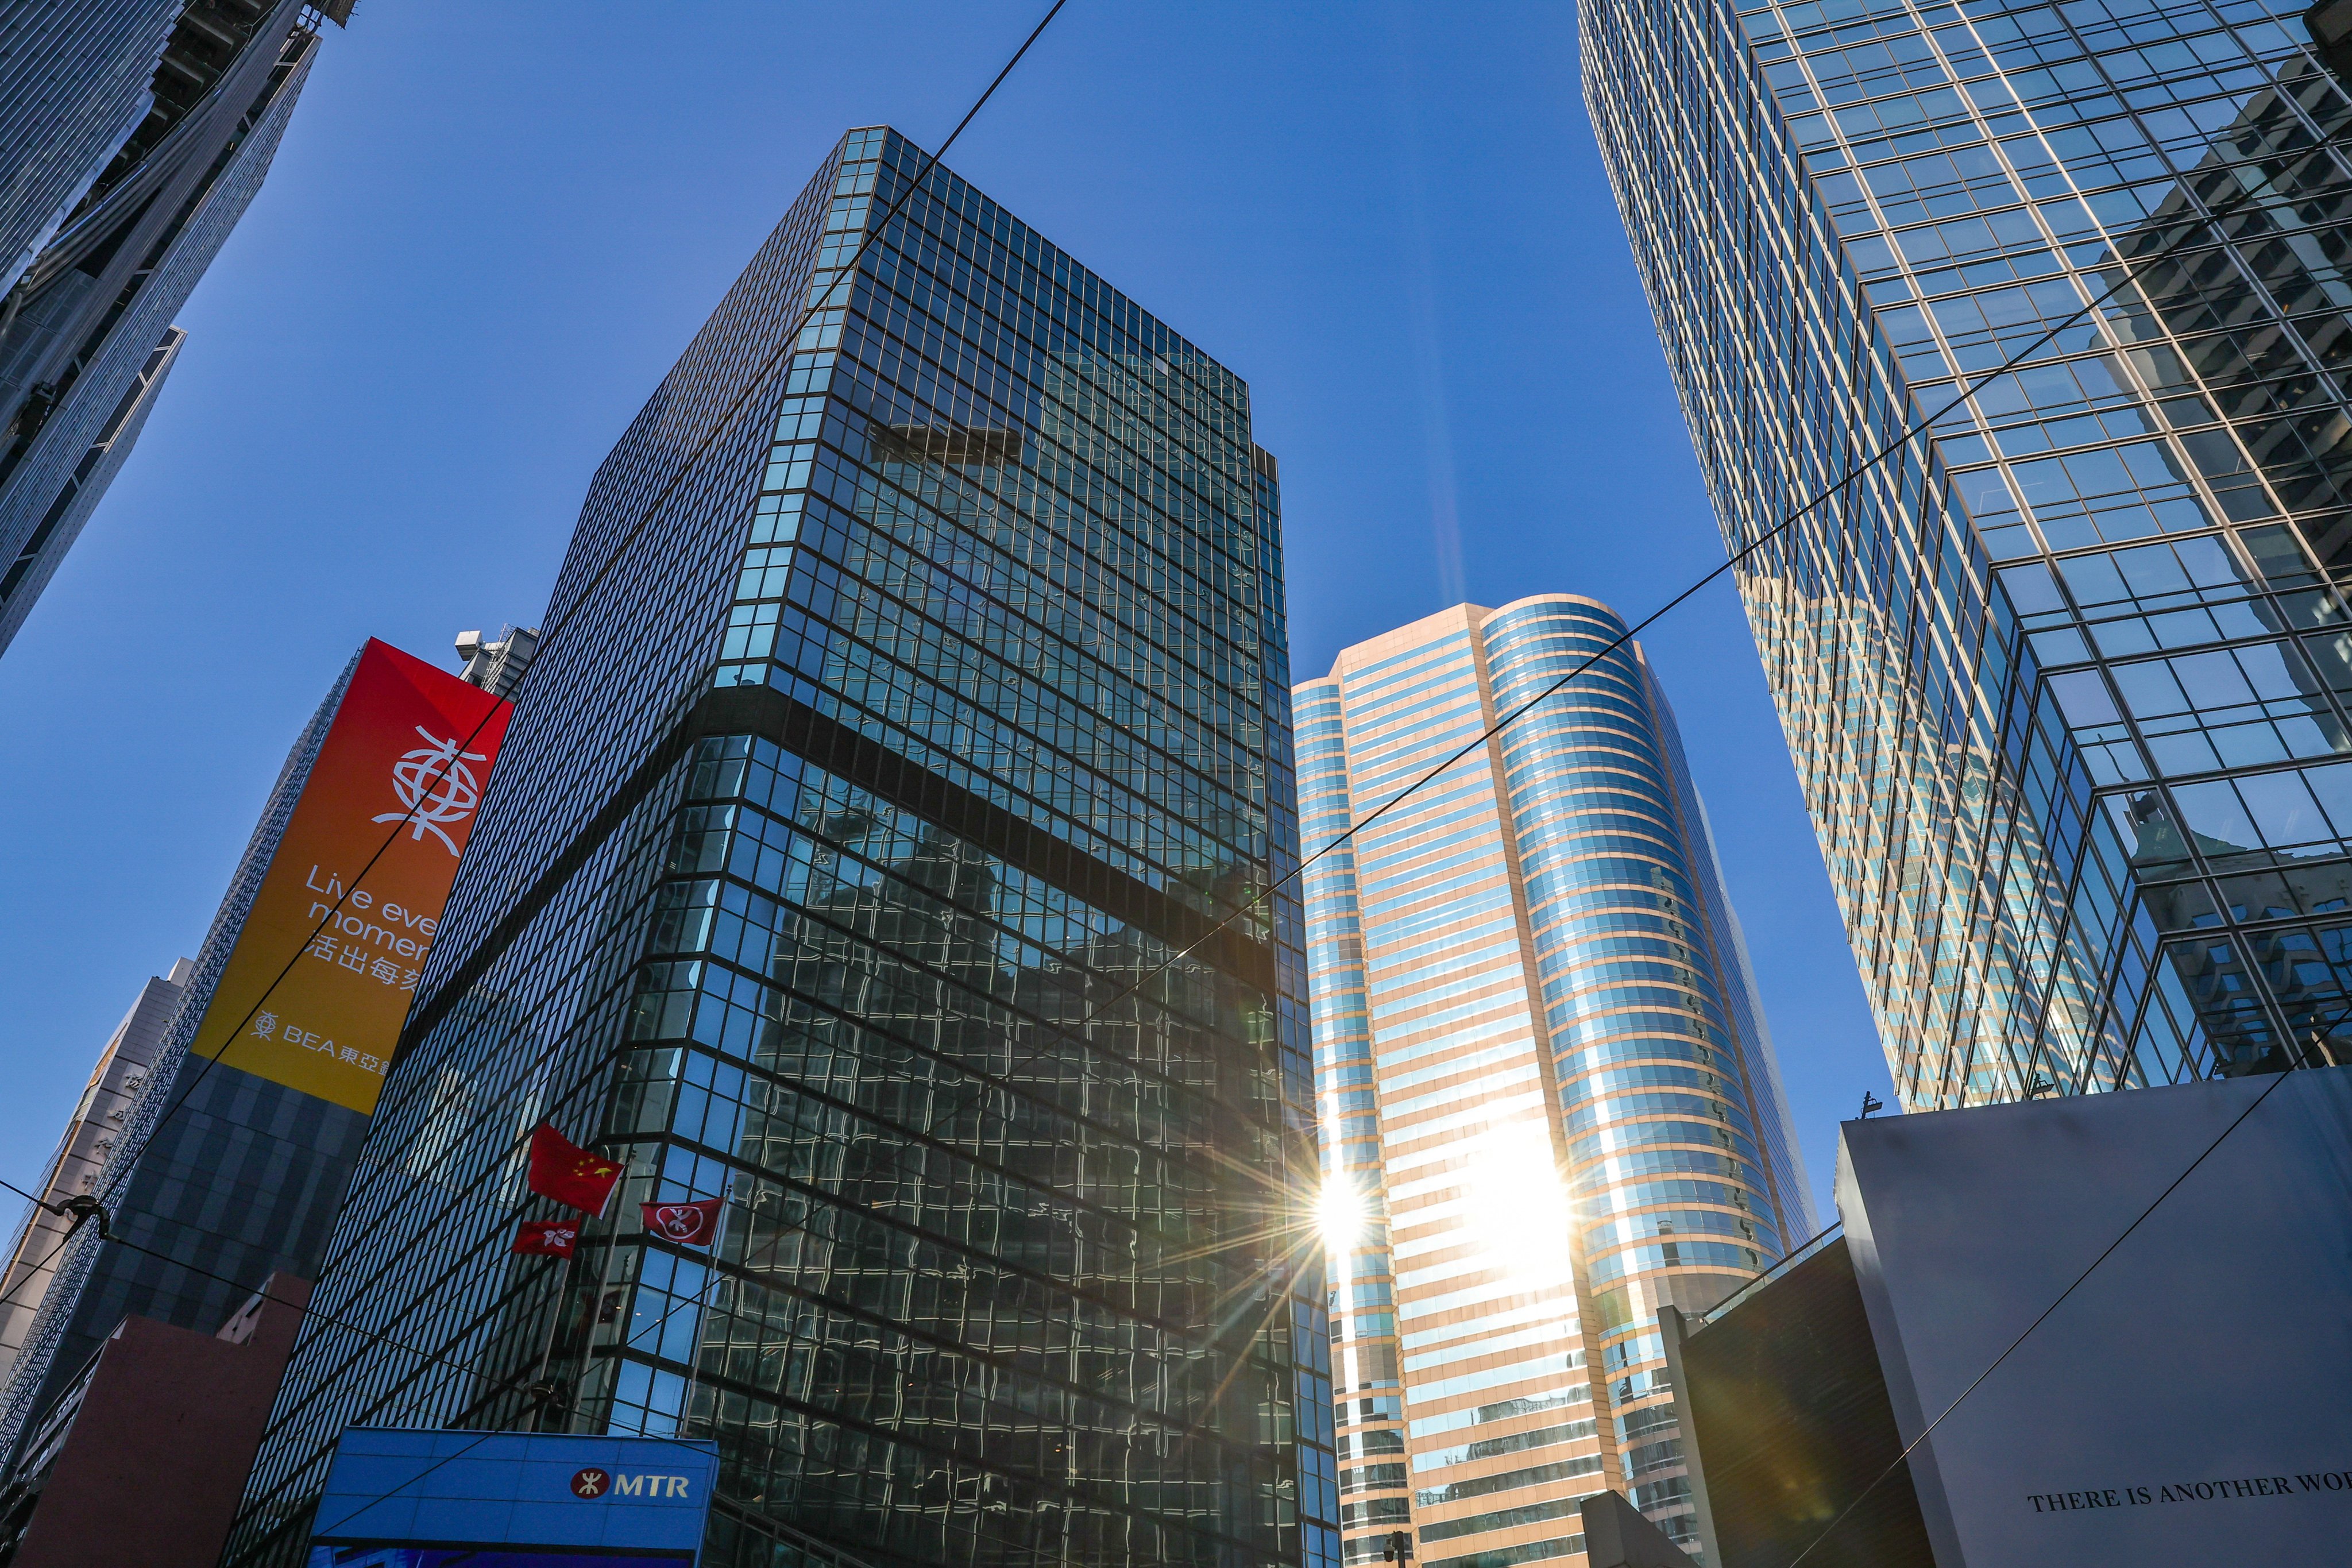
(2190, 1403)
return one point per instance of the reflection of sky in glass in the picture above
(2117, 581)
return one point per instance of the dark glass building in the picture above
(143, 132)
(915, 691)
(2067, 678)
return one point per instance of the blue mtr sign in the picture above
(398, 1498)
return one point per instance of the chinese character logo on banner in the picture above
(435, 786)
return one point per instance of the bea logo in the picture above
(436, 786)
(595, 1483)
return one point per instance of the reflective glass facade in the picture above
(1548, 1101)
(86, 332)
(2066, 681)
(73, 86)
(941, 698)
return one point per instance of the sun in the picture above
(1340, 1213)
(1517, 1205)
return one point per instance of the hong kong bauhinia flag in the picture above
(561, 1170)
(688, 1225)
(547, 1237)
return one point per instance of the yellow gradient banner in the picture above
(407, 754)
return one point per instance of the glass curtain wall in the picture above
(1374, 1485)
(913, 709)
(87, 336)
(2065, 679)
(1549, 1104)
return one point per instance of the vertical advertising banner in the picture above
(407, 755)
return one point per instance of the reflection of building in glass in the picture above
(137, 135)
(2013, 661)
(937, 701)
(1549, 1104)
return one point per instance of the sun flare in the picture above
(1339, 1214)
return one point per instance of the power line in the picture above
(1968, 386)
(788, 343)
(177, 1096)
(306, 1310)
(562, 621)
(2276, 1079)
(545, 1396)
(1075, 1031)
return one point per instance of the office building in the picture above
(75, 81)
(145, 132)
(911, 710)
(1963, 1372)
(2065, 679)
(241, 1183)
(100, 1119)
(1549, 1104)
(228, 1158)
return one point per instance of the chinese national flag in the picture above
(561, 1170)
(688, 1225)
(547, 1237)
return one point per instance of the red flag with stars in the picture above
(561, 1170)
(547, 1237)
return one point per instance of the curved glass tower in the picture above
(2066, 680)
(1549, 1099)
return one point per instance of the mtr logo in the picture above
(595, 1483)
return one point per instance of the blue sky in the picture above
(491, 228)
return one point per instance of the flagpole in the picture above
(557, 1170)
(547, 1350)
(702, 1304)
(618, 1206)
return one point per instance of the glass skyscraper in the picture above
(2066, 680)
(1549, 1099)
(915, 690)
(135, 135)
(75, 81)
